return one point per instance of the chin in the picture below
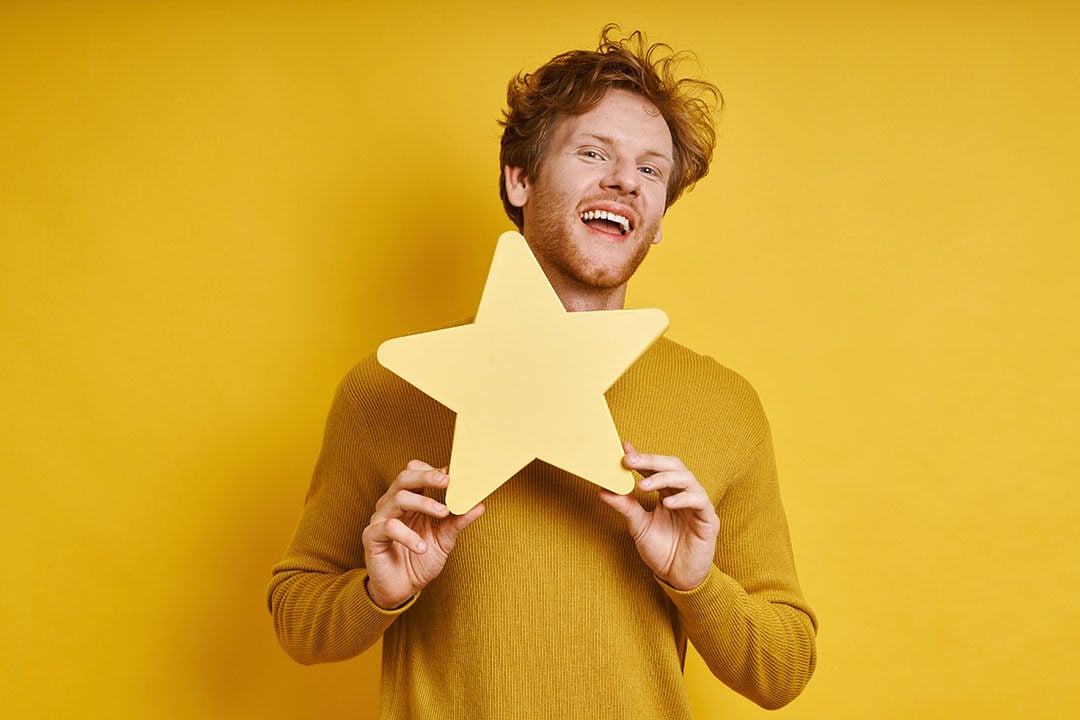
(605, 277)
(602, 281)
(612, 275)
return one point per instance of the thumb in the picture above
(447, 531)
(627, 506)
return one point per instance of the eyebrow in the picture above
(611, 141)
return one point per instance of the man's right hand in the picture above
(410, 536)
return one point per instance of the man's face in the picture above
(597, 201)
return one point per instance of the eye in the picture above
(592, 154)
(649, 170)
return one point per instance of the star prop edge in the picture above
(526, 379)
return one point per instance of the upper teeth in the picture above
(609, 216)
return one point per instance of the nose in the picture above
(623, 177)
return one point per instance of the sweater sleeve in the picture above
(318, 595)
(748, 619)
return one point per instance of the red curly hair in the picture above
(574, 82)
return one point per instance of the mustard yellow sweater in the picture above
(545, 610)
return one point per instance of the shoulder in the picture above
(700, 380)
(377, 393)
(686, 404)
(702, 411)
(392, 406)
(670, 353)
(367, 381)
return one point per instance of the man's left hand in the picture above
(677, 539)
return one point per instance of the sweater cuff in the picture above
(717, 593)
(369, 621)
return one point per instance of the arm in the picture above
(734, 586)
(362, 550)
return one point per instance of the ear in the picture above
(517, 185)
(659, 234)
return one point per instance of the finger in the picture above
(627, 506)
(405, 501)
(418, 476)
(698, 502)
(646, 463)
(672, 481)
(415, 477)
(390, 531)
(628, 451)
(448, 530)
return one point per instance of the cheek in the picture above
(658, 204)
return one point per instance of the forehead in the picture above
(622, 118)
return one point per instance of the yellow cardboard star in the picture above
(526, 379)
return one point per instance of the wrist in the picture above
(383, 600)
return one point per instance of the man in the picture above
(562, 601)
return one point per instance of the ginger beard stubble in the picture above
(560, 239)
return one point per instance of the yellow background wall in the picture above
(209, 211)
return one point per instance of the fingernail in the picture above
(421, 546)
(645, 484)
(633, 457)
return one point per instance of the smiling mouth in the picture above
(608, 222)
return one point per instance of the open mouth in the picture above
(607, 222)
